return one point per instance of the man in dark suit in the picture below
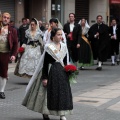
(42, 28)
(8, 44)
(22, 30)
(99, 36)
(114, 33)
(72, 31)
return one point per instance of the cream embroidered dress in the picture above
(31, 56)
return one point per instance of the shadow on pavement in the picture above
(29, 119)
(25, 83)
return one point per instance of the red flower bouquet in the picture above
(21, 49)
(70, 68)
(72, 72)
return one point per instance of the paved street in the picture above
(96, 96)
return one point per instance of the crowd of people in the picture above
(47, 49)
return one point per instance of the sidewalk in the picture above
(96, 96)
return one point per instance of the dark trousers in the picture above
(114, 47)
(4, 60)
(73, 51)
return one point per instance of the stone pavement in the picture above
(109, 95)
(96, 96)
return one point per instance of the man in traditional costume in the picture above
(114, 33)
(8, 45)
(99, 36)
(22, 30)
(73, 35)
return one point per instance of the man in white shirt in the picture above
(73, 34)
(114, 32)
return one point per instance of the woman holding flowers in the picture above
(48, 91)
(30, 52)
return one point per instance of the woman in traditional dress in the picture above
(48, 91)
(29, 59)
(85, 53)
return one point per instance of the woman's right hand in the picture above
(24, 45)
(44, 82)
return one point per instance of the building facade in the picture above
(46, 9)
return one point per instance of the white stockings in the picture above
(113, 59)
(2, 84)
(63, 117)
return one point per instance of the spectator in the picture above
(22, 30)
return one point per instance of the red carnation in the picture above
(72, 71)
(21, 49)
(70, 68)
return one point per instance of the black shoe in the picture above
(46, 117)
(2, 95)
(113, 64)
(62, 119)
(99, 68)
(118, 62)
(102, 63)
(81, 68)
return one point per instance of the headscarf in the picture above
(37, 27)
(86, 28)
(59, 24)
(38, 31)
